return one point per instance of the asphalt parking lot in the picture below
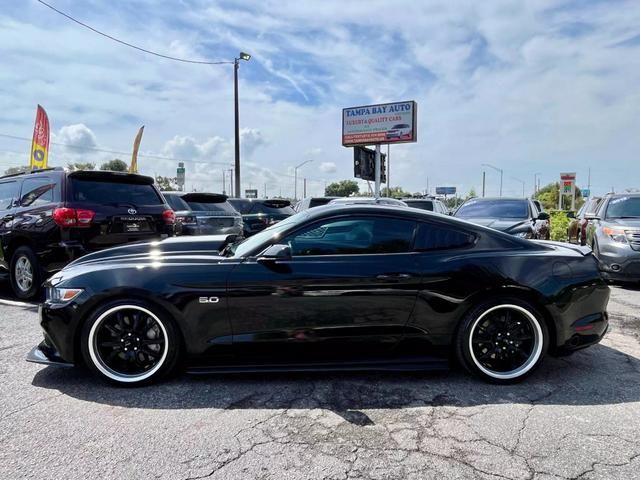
(577, 417)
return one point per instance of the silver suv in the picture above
(613, 232)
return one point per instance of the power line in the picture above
(122, 42)
(116, 152)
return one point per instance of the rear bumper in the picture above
(585, 332)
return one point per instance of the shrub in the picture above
(559, 225)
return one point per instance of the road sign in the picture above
(585, 192)
(364, 164)
(445, 190)
(180, 172)
(251, 193)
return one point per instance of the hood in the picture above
(146, 251)
(507, 225)
(626, 223)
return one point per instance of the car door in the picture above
(345, 293)
(8, 194)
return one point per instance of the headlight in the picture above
(616, 234)
(62, 295)
(526, 234)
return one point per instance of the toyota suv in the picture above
(51, 217)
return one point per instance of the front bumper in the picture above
(45, 355)
(618, 261)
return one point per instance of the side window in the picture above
(37, 191)
(365, 235)
(8, 191)
(439, 237)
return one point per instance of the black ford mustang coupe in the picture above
(353, 287)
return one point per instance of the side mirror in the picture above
(274, 253)
(543, 216)
(591, 216)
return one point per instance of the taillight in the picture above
(71, 217)
(169, 217)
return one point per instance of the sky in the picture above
(538, 87)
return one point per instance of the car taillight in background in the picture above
(169, 217)
(73, 217)
(187, 220)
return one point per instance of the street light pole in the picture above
(236, 66)
(535, 183)
(295, 178)
(497, 170)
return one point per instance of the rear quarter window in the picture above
(440, 237)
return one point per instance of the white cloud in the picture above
(328, 167)
(501, 82)
(79, 136)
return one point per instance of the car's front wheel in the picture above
(130, 343)
(502, 341)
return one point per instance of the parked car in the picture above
(51, 217)
(360, 287)
(515, 216)
(310, 202)
(542, 226)
(577, 230)
(207, 214)
(613, 232)
(401, 131)
(258, 214)
(429, 203)
(367, 200)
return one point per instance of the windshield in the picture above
(623, 207)
(494, 209)
(423, 205)
(176, 203)
(110, 192)
(216, 207)
(244, 247)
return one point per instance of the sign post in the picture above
(376, 125)
(180, 173)
(567, 187)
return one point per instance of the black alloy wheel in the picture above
(502, 342)
(130, 344)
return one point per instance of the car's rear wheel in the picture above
(130, 343)
(25, 273)
(502, 341)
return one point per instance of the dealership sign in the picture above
(445, 190)
(377, 124)
(568, 183)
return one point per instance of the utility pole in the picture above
(484, 181)
(376, 192)
(231, 182)
(265, 191)
(224, 183)
(304, 191)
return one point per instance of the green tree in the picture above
(167, 184)
(14, 170)
(472, 193)
(343, 188)
(394, 192)
(548, 197)
(81, 166)
(115, 165)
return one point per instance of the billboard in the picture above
(364, 164)
(445, 190)
(379, 124)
